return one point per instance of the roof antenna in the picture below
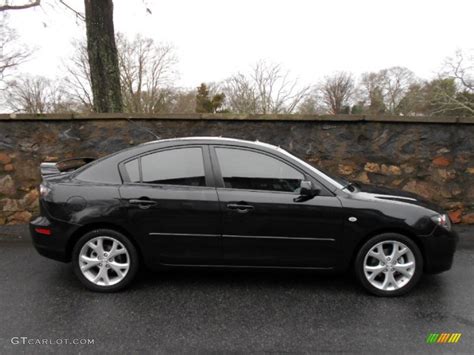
(144, 128)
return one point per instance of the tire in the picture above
(96, 267)
(382, 276)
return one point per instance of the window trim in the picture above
(209, 181)
(220, 180)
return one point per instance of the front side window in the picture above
(249, 170)
(183, 166)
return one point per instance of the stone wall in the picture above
(432, 157)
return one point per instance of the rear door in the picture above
(172, 204)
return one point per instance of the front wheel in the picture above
(105, 260)
(389, 264)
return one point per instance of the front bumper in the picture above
(438, 249)
(54, 246)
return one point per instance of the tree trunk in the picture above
(103, 58)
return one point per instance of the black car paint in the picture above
(193, 226)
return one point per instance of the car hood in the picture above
(381, 193)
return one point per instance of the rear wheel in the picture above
(105, 260)
(389, 264)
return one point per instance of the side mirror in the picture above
(307, 191)
(306, 188)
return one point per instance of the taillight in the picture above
(44, 231)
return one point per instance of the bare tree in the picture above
(146, 74)
(177, 100)
(78, 78)
(38, 95)
(267, 89)
(396, 83)
(147, 70)
(12, 53)
(461, 68)
(276, 92)
(184, 101)
(241, 94)
(337, 91)
(383, 91)
(312, 104)
(101, 48)
(457, 98)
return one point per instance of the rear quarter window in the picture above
(104, 171)
(133, 170)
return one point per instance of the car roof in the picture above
(214, 140)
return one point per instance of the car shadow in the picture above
(247, 277)
(258, 280)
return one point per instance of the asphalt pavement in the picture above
(44, 308)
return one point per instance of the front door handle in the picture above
(142, 203)
(241, 208)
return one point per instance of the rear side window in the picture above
(183, 166)
(102, 171)
(245, 169)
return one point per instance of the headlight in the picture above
(44, 190)
(442, 220)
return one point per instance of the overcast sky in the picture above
(311, 38)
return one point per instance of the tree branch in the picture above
(20, 7)
(78, 14)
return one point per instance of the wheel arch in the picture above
(376, 232)
(78, 233)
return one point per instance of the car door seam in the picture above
(276, 237)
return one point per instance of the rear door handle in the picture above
(142, 203)
(241, 208)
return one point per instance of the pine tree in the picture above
(205, 104)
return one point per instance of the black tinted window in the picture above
(174, 167)
(133, 170)
(243, 169)
(104, 172)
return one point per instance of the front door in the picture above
(262, 224)
(172, 206)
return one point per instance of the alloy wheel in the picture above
(389, 265)
(104, 261)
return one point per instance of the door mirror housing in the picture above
(307, 191)
(306, 188)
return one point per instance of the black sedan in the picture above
(221, 202)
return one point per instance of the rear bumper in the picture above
(438, 249)
(55, 245)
